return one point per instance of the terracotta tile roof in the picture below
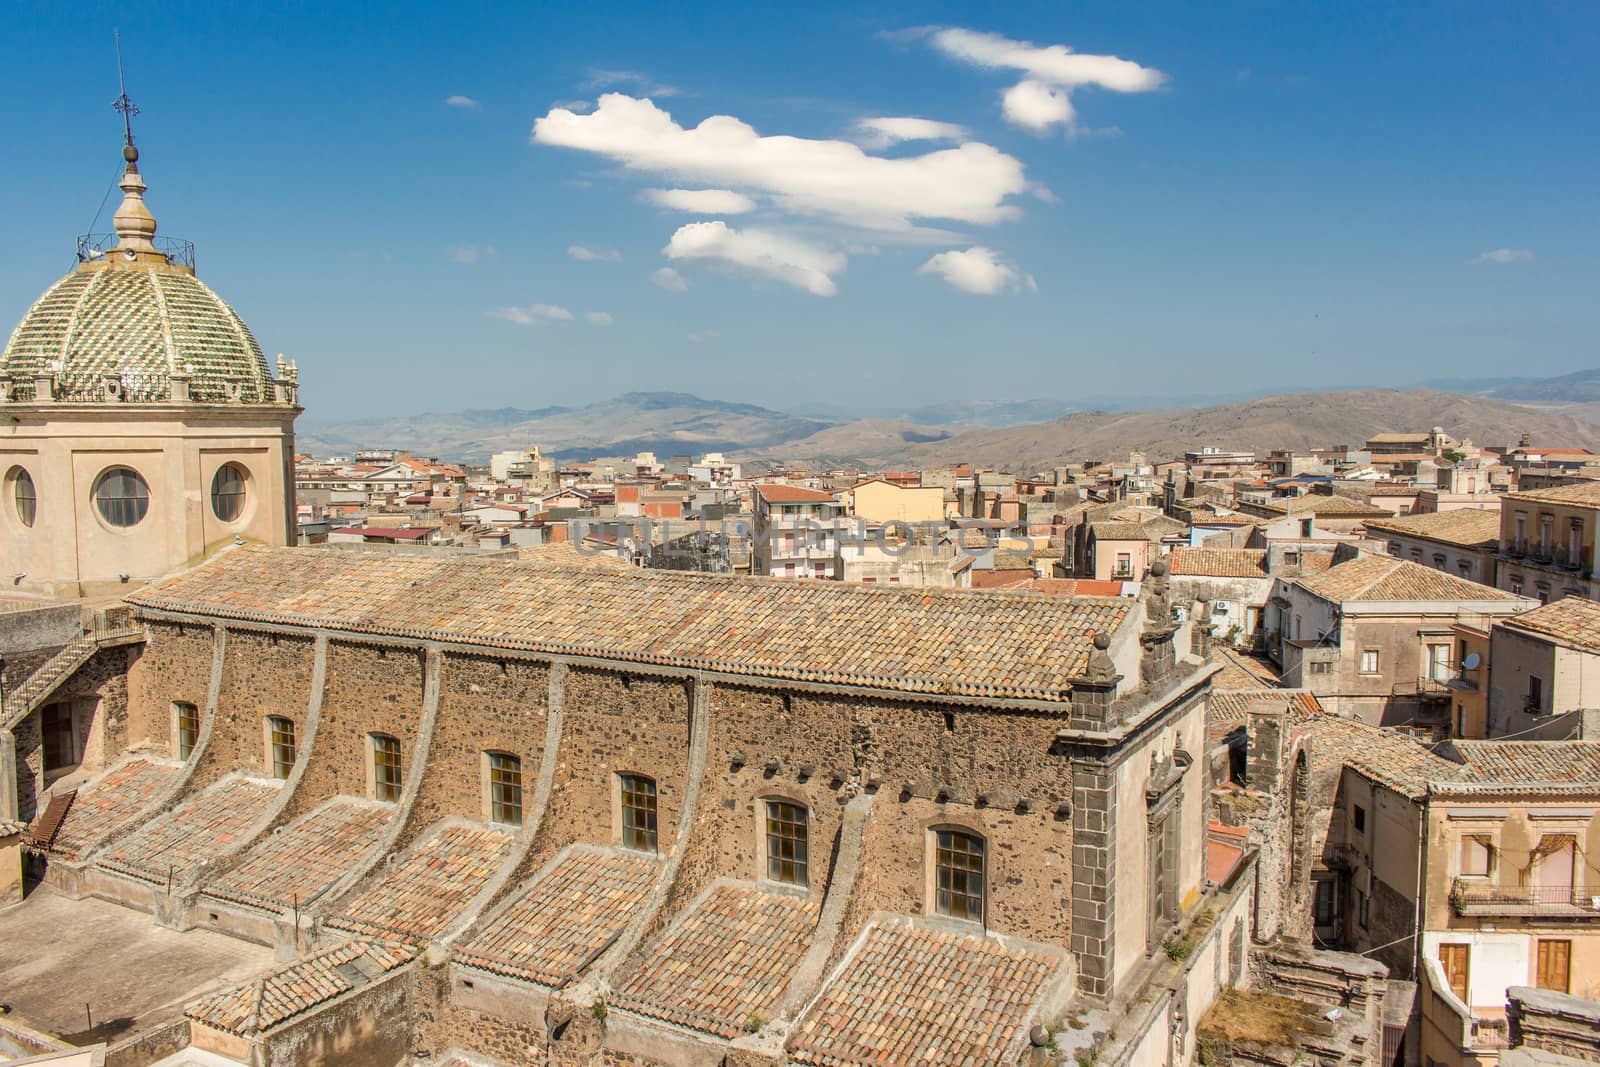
(1315, 562)
(1235, 705)
(106, 805)
(1528, 762)
(1584, 494)
(567, 915)
(1572, 621)
(725, 961)
(1371, 578)
(422, 894)
(12, 828)
(1242, 672)
(794, 494)
(260, 1005)
(174, 844)
(298, 863)
(1388, 757)
(1325, 506)
(1225, 846)
(911, 995)
(566, 553)
(1118, 531)
(1013, 645)
(1220, 562)
(1467, 527)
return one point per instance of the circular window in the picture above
(24, 496)
(227, 492)
(122, 497)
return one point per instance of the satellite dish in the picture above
(1471, 662)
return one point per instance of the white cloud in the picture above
(466, 255)
(703, 335)
(832, 179)
(532, 315)
(1503, 255)
(670, 280)
(599, 318)
(978, 270)
(1035, 106)
(464, 102)
(1043, 98)
(794, 262)
(585, 254)
(605, 79)
(882, 132)
(702, 201)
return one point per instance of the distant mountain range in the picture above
(1021, 435)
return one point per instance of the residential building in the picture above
(713, 469)
(1118, 551)
(1461, 542)
(1543, 673)
(1374, 637)
(1471, 858)
(878, 500)
(1547, 541)
(797, 532)
(1235, 584)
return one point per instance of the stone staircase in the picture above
(27, 697)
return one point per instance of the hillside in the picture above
(664, 423)
(1578, 388)
(1299, 420)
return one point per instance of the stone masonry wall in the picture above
(485, 705)
(967, 757)
(262, 675)
(370, 689)
(175, 665)
(613, 724)
(439, 1026)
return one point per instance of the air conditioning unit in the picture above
(1219, 607)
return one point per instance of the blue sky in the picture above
(1253, 196)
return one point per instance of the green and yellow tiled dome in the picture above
(132, 313)
(143, 322)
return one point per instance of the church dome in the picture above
(137, 313)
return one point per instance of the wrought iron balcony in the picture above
(1516, 547)
(1475, 897)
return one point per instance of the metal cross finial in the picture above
(127, 108)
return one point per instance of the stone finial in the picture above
(136, 227)
(1101, 668)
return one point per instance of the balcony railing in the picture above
(1517, 547)
(1469, 896)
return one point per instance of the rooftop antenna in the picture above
(126, 107)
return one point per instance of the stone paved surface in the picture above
(567, 915)
(299, 863)
(425, 891)
(174, 844)
(725, 965)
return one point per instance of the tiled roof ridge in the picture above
(154, 599)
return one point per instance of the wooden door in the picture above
(1456, 961)
(1555, 965)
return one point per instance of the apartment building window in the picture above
(1394, 549)
(280, 742)
(1323, 907)
(1575, 542)
(1535, 693)
(1547, 527)
(1516, 584)
(787, 857)
(1522, 529)
(1465, 568)
(959, 875)
(1124, 566)
(1477, 856)
(1369, 661)
(638, 812)
(1358, 818)
(386, 777)
(1416, 555)
(1439, 560)
(1361, 908)
(1319, 666)
(505, 789)
(1291, 559)
(188, 721)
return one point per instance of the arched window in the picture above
(122, 497)
(227, 492)
(959, 875)
(638, 812)
(787, 847)
(23, 496)
(386, 776)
